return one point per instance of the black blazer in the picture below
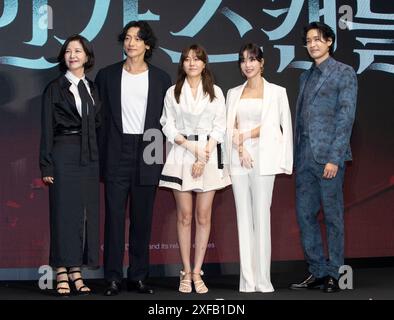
(58, 113)
(108, 81)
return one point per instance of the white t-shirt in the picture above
(134, 98)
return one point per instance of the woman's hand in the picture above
(245, 158)
(238, 138)
(201, 154)
(48, 180)
(198, 169)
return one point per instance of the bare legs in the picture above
(184, 202)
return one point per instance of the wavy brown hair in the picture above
(206, 75)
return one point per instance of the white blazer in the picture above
(275, 145)
(194, 115)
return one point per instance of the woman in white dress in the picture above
(258, 146)
(194, 122)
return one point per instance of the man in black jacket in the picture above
(132, 93)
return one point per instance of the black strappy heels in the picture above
(79, 291)
(60, 287)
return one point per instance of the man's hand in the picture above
(330, 171)
(48, 180)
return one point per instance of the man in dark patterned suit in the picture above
(325, 114)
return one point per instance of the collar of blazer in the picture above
(235, 97)
(232, 102)
(330, 67)
(65, 86)
(64, 83)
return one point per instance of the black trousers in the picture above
(122, 184)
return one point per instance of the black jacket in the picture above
(59, 113)
(108, 81)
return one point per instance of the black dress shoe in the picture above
(113, 289)
(309, 283)
(139, 286)
(331, 285)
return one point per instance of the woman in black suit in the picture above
(69, 165)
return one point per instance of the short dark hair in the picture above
(145, 33)
(324, 31)
(87, 47)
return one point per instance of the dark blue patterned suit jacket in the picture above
(331, 114)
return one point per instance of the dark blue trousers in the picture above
(312, 192)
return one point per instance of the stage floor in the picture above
(368, 283)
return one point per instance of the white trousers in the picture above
(253, 195)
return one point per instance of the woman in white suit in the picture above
(194, 121)
(258, 146)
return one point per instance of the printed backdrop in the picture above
(32, 31)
